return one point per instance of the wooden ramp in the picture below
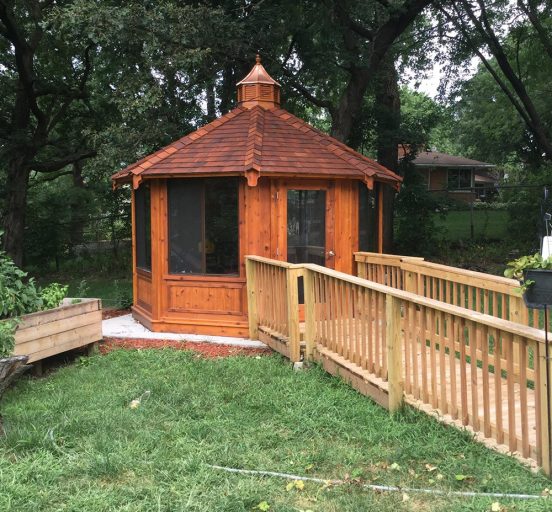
(496, 408)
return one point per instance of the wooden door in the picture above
(308, 223)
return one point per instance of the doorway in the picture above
(307, 226)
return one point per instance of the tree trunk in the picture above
(350, 104)
(211, 103)
(388, 120)
(76, 234)
(17, 183)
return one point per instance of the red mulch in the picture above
(208, 350)
(112, 313)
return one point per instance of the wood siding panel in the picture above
(144, 292)
(206, 298)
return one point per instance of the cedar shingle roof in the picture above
(257, 142)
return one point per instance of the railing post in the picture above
(410, 282)
(293, 313)
(394, 352)
(252, 311)
(545, 395)
(310, 325)
(361, 267)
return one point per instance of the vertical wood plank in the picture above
(520, 345)
(252, 311)
(293, 314)
(310, 320)
(394, 352)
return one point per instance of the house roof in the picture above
(257, 139)
(437, 159)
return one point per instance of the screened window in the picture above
(459, 178)
(368, 218)
(142, 214)
(203, 226)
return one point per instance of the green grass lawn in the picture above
(488, 224)
(73, 442)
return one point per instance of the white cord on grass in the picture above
(383, 488)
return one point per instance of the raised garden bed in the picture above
(69, 326)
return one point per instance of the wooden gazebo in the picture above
(256, 181)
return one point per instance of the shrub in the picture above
(18, 295)
(52, 295)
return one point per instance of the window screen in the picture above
(368, 218)
(142, 214)
(203, 226)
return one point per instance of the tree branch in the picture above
(530, 12)
(305, 92)
(56, 165)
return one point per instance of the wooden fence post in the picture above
(252, 311)
(393, 341)
(545, 396)
(310, 325)
(293, 313)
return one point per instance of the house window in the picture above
(368, 218)
(203, 226)
(142, 213)
(459, 178)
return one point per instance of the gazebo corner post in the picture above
(292, 291)
(310, 321)
(393, 339)
(252, 297)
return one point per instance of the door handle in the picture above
(330, 254)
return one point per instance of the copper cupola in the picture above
(258, 88)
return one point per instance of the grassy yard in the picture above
(488, 224)
(73, 442)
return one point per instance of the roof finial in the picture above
(258, 59)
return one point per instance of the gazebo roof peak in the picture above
(258, 88)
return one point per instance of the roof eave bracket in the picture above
(252, 175)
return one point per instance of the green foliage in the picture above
(7, 336)
(52, 295)
(18, 295)
(416, 232)
(123, 296)
(516, 268)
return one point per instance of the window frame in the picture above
(459, 172)
(139, 205)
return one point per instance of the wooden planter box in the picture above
(46, 333)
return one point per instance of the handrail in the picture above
(494, 295)
(482, 318)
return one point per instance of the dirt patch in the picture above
(112, 313)
(208, 350)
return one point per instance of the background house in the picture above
(465, 179)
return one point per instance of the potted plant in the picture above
(535, 276)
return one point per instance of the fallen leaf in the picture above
(430, 468)
(495, 507)
(395, 466)
(263, 505)
(299, 484)
(405, 497)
